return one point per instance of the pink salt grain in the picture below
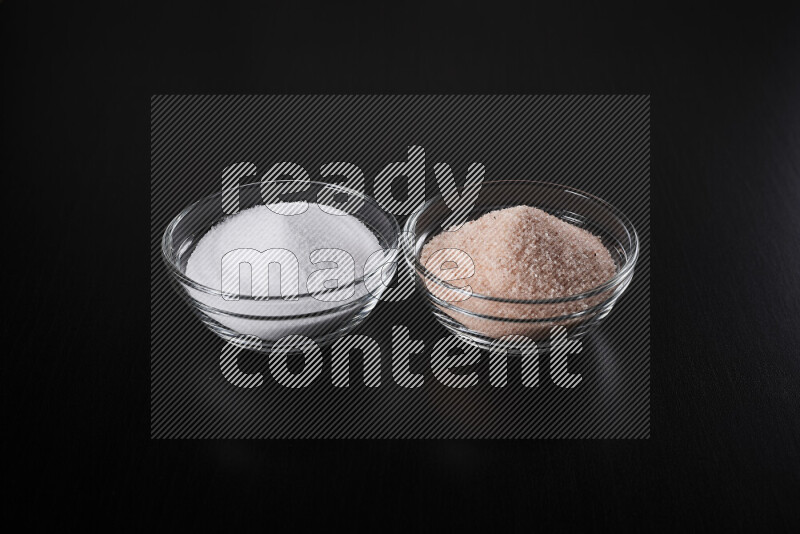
(523, 253)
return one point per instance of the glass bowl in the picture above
(481, 319)
(240, 321)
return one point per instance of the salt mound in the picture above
(524, 253)
(262, 228)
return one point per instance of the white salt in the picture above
(261, 229)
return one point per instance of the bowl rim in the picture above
(438, 302)
(413, 261)
(166, 244)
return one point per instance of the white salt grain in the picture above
(262, 229)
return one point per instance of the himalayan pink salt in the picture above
(521, 253)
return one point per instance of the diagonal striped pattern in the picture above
(341, 363)
(200, 144)
(498, 363)
(459, 202)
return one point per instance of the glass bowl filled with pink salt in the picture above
(530, 256)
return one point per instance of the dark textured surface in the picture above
(725, 88)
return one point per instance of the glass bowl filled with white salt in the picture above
(257, 270)
(529, 257)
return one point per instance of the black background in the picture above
(725, 116)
